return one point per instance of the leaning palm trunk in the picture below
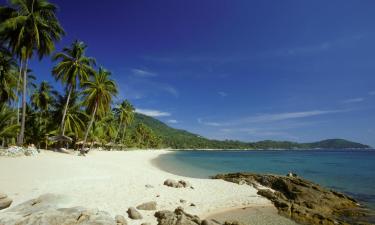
(62, 126)
(123, 132)
(24, 93)
(17, 89)
(89, 126)
(118, 131)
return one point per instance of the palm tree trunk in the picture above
(23, 120)
(17, 89)
(62, 126)
(118, 131)
(123, 131)
(89, 126)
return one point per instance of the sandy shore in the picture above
(115, 181)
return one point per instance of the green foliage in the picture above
(8, 130)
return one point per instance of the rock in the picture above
(134, 214)
(192, 204)
(147, 206)
(178, 217)
(182, 201)
(207, 222)
(304, 201)
(184, 183)
(146, 224)
(235, 222)
(5, 202)
(149, 186)
(179, 184)
(120, 220)
(45, 211)
(15, 151)
(290, 174)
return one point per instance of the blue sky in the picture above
(247, 70)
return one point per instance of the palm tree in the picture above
(7, 129)
(98, 93)
(73, 69)
(125, 113)
(28, 27)
(75, 117)
(8, 77)
(41, 100)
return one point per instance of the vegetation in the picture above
(85, 111)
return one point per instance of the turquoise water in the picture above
(351, 172)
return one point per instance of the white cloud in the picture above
(266, 118)
(223, 94)
(172, 121)
(371, 93)
(143, 73)
(152, 112)
(353, 100)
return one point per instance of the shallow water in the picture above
(348, 171)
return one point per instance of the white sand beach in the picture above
(114, 181)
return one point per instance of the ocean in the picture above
(348, 171)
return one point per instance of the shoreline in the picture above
(114, 181)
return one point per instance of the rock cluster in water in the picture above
(15, 151)
(302, 200)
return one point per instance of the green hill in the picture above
(181, 139)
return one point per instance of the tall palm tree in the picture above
(28, 27)
(8, 76)
(125, 113)
(41, 100)
(73, 69)
(7, 129)
(98, 93)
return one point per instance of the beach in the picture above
(116, 180)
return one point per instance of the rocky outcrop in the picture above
(178, 217)
(147, 206)
(5, 201)
(177, 184)
(304, 201)
(44, 211)
(134, 214)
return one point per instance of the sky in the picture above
(246, 70)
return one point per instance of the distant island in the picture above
(181, 139)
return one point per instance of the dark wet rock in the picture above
(177, 184)
(5, 201)
(182, 201)
(44, 211)
(178, 217)
(120, 220)
(134, 214)
(147, 206)
(304, 201)
(192, 204)
(146, 224)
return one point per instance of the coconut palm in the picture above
(125, 113)
(7, 129)
(8, 76)
(73, 69)
(98, 93)
(41, 100)
(75, 117)
(28, 27)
